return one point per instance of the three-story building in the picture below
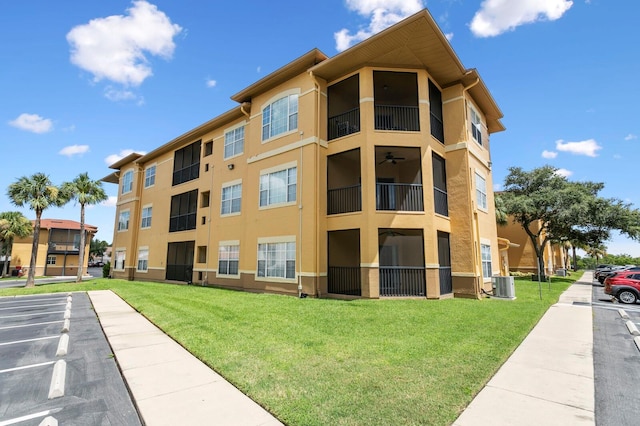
(367, 174)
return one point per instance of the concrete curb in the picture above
(63, 345)
(632, 328)
(56, 389)
(623, 313)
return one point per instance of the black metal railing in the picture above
(344, 200)
(182, 222)
(402, 118)
(344, 280)
(344, 124)
(64, 246)
(402, 281)
(437, 128)
(399, 197)
(446, 282)
(441, 201)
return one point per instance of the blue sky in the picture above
(83, 83)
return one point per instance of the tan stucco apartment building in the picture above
(367, 174)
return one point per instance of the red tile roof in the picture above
(64, 224)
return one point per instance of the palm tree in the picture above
(38, 193)
(98, 247)
(86, 192)
(12, 225)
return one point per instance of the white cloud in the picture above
(630, 137)
(381, 13)
(549, 154)
(564, 172)
(588, 147)
(115, 48)
(211, 83)
(449, 36)
(497, 187)
(32, 123)
(72, 150)
(113, 158)
(112, 201)
(498, 16)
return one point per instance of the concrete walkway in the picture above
(169, 385)
(549, 379)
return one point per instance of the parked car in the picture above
(624, 286)
(604, 275)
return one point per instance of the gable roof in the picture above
(65, 224)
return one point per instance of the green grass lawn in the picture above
(332, 362)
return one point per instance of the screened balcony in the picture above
(398, 179)
(344, 191)
(401, 263)
(343, 108)
(396, 101)
(344, 275)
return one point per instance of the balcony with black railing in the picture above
(64, 247)
(344, 124)
(344, 280)
(397, 117)
(446, 281)
(399, 197)
(344, 200)
(441, 201)
(399, 281)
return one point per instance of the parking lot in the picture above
(56, 365)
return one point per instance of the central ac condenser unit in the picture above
(503, 287)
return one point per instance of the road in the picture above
(616, 362)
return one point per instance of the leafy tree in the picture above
(85, 192)
(12, 225)
(552, 209)
(98, 248)
(38, 193)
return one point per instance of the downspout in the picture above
(205, 278)
(316, 124)
(300, 224)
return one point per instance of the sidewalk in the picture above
(169, 385)
(549, 379)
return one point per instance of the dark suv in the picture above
(624, 286)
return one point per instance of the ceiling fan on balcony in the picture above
(390, 158)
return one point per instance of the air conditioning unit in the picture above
(504, 288)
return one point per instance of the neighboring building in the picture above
(58, 248)
(522, 256)
(363, 175)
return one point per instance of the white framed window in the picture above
(234, 142)
(119, 258)
(150, 176)
(476, 126)
(143, 259)
(231, 199)
(127, 182)
(123, 220)
(228, 259)
(280, 117)
(146, 217)
(278, 187)
(481, 192)
(277, 260)
(485, 251)
(51, 260)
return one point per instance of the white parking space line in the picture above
(28, 417)
(27, 340)
(24, 367)
(12, 300)
(32, 314)
(31, 306)
(29, 325)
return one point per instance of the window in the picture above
(277, 260)
(485, 251)
(123, 220)
(208, 149)
(127, 181)
(278, 187)
(234, 142)
(146, 217)
(228, 258)
(120, 256)
(481, 192)
(435, 110)
(143, 259)
(280, 117)
(476, 126)
(51, 260)
(186, 163)
(205, 198)
(231, 199)
(150, 176)
(183, 211)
